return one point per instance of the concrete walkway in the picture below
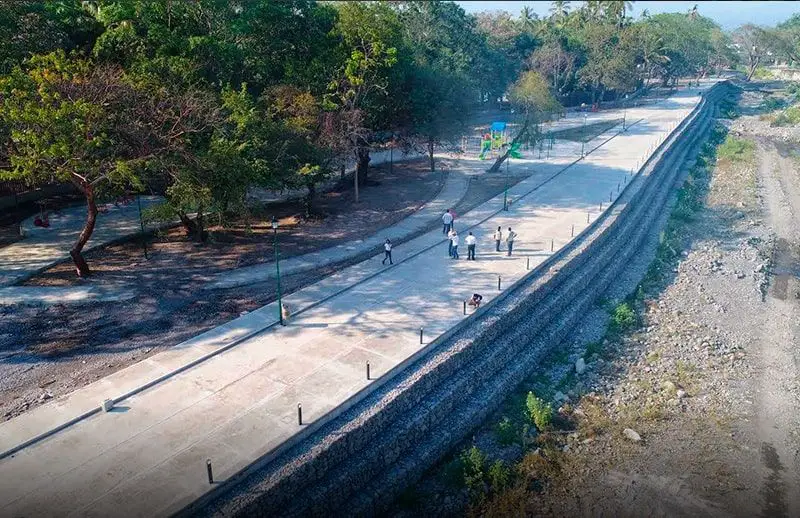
(44, 247)
(454, 188)
(236, 395)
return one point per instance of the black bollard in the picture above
(610, 195)
(572, 232)
(367, 369)
(587, 217)
(465, 307)
(528, 264)
(551, 245)
(420, 335)
(498, 283)
(208, 470)
(299, 414)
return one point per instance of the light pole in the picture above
(583, 131)
(505, 191)
(277, 268)
(624, 112)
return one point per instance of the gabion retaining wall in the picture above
(359, 461)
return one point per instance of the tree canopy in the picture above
(202, 100)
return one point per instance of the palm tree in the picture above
(616, 10)
(559, 10)
(528, 17)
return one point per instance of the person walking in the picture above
(498, 236)
(510, 240)
(387, 252)
(470, 241)
(454, 241)
(447, 221)
(450, 235)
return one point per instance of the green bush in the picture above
(541, 413)
(473, 462)
(734, 149)
(623, 318)
(762, 74)
(788, 117)
(454, 473)
(505, 432)
(499, 476)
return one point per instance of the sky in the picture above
(728, 15)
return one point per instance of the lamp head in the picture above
(274, 223)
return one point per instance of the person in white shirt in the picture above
(510, 240)
(450, 235)
(470, 241)
(387, 252)
(447, 220)
(498, 236)
(454, 240)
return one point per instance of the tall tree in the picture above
(74, 121)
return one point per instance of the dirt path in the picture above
(778, 418)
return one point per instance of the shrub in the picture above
(788, 117)
(623, 318)
(505, 432)
(499, 476)
(541, 413)
(473, 462)
(735, 149)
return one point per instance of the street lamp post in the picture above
(505, 191)
(583, 131)
(277, 268)
(624, 112)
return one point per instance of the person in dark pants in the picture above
(510, 240)
(450, 235)
(470, 241)
(498, 236)
(387, 252)
(454, 240)
(447, 221)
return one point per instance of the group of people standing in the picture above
(448, 228)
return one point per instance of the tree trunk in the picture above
(81, 266)
(187, 223)
(430, 154)
(362, 164)
(753, 67)
(199, 236)
(520, 136)
(309, 200)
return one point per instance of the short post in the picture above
(618, 186)
(498, 283)
(465, 307)
(601, 206)
(610, 195)
(528, 264)
(299, 414)
(587, 217)
(210, 473)
(572, 232)
(551, 245)
(420, 335)
(367, 369)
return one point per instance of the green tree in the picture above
(73, 121)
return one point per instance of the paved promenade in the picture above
(148, 456)
(43, 247)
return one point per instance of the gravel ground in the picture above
(695, 410)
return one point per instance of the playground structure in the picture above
(492, 143)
